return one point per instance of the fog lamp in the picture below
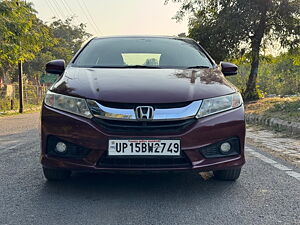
(61, 147)
(225, 147)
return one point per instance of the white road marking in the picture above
(8, 148)
(294, 174)
(273, 163)
(281, 167)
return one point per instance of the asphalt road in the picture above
(264, 194)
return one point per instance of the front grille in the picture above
(144, 162)
(142, 126)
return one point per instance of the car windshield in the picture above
(142, 53)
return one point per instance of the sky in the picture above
(116, 17)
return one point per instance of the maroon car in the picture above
(142, 104)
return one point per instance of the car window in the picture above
(145, 59)
(152, 52)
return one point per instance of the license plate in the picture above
(144, 147)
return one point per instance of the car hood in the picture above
(143, 85)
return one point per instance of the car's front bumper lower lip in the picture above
(85, 132)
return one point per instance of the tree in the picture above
(278, 75)
(24, 37)
(65, 39)
(229, 28)
(21, 34)
(70, 37)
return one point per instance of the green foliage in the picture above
(5, 104)
(24, 37)
(66, 40)
(69, 37)
(21, 33)
(16, 19)
(237, 21)
(277, 75)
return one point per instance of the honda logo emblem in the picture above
(144, 112)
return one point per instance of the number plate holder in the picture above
(144, 147)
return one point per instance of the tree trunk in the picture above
(5, 70)
(251, 92)
(4, 75)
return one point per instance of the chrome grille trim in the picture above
(181, 113)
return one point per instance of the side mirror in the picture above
(56, 66)
(228, 69)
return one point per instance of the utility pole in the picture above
(20, 70)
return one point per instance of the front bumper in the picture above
(91, 135)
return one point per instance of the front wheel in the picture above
(56, 174)
(229, 174)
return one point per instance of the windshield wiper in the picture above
(141, 66)
(197, 67)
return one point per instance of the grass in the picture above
(5, 107)
(281, 108)
(31, 109)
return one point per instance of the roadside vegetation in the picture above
(277, 76)
(32, 98)
(287, 108)
(25, 38)
(27, 109)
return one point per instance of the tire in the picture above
(229, 174)
(56, 174)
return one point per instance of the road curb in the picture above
(278, 124)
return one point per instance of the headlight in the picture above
(69, 104)
(219, 104)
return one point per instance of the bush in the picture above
(279, 76)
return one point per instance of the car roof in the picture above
(145, 36)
